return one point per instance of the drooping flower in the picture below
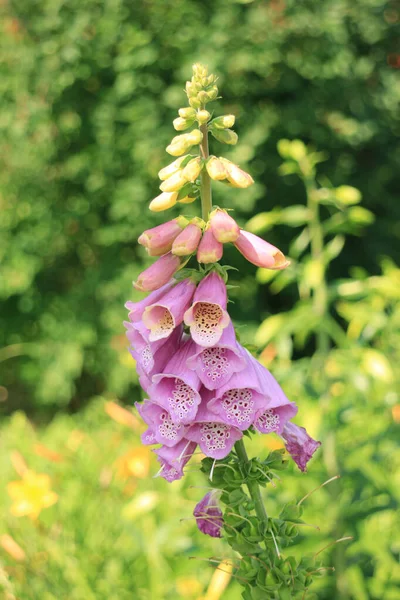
(259, 252)
(215, 437)
(207, 317)
(236, 176)
(31, 494)
(163, 201)
(159, 240)
(248, 394)
(151, 357)
(161, 429)
(158, 274)
(164, 315)
(210, 250)
(215, 169)
(208, 514)
(136, 308)
(171, 168)
(299, 444)
(173, 459)
(216, 365)
(223, 226)
(188, 240)
(176, 389)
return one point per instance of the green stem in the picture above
(205, 181)
(253, 486)
(320, 290)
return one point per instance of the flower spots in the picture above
(182, 400)
(167, 428)
(267, 422)
(206, 328)
(214, 435)
(238, 406)
(215, 363)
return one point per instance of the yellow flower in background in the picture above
(219, 581)
(31, 494)
(188, 587)
(135, 463)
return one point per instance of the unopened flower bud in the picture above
(181, 124)
(212, 94)
(223, 226)
(187, 113)
(159, 240)
(223, 122)
(187, 200)
(236, 176)
(192, 169)
(259, 252)
(203, 116)
(210, 250)
(187, 240)
(194, 102)
(182, 143)
(171, 168)
(215, 169)
(174, 183)
(158, 274)
(226, 136)
(195, 137)
(190, 89)
(202, 97)
(163, 201)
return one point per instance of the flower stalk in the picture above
(203, 388)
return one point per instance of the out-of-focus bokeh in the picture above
(88, 92)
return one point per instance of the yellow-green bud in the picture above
(236, 176)
(212, 94)
(199, 70)
(346, 194)
(202, 97)
(226, 136)
(223, 122)
(190, 89)
(187, 113)
(182, 143)
(163, 201)
(181, 124)
(203, 116)
(194, 102)
(171, 168)
(192, 169)
(195, 137)
(215, 169)
(187, 200)
(174, 183)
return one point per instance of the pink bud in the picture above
(223, 226)
(158, 274)
(210, 250)
(187, 241)
(259, 252)
(158, 240)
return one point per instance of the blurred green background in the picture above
(88, 93)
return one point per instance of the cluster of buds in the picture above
(204, 388)
(175, 241)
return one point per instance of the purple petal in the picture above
(299, 444)
(164, 315)
(173, 459)
(216, 365)
(208, 515)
